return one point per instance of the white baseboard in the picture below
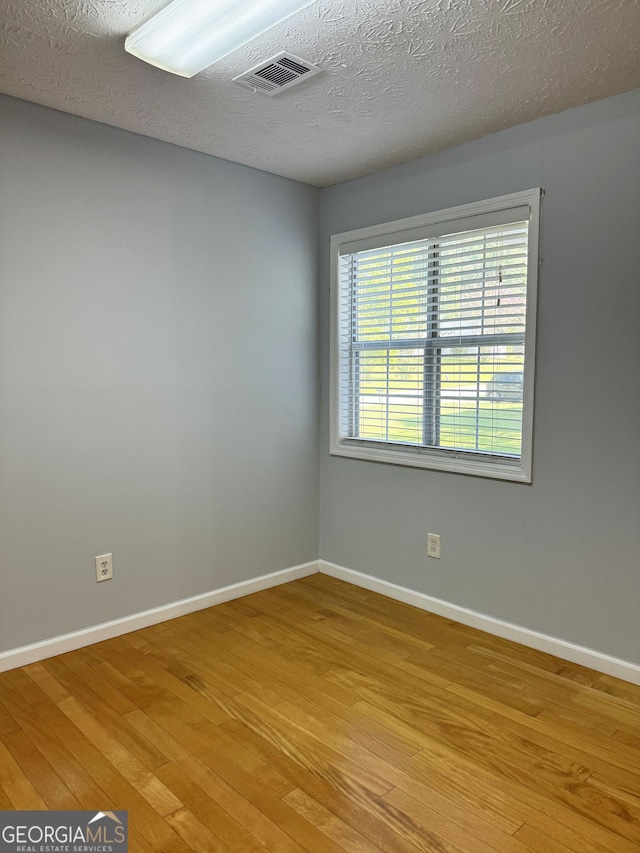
(508, 631)
(532, 639)
(87, 636)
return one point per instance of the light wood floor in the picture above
(321, 717)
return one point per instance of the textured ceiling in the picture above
(401, 78)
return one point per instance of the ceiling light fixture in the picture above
(188, 36)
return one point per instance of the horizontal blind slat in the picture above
(435, 328)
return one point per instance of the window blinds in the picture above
(431, 336)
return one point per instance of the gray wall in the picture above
(158, 382)
(158, 372)
(560, 556)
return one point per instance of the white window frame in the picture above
(461, 462)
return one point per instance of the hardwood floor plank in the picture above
(7, 721)
(247, 655)
(435, 630)
(37, 769)
(477, 817)
(624, 712)
(93, 679)
(368, 814)
(398, 671)
(250, 763)
(546, 811)
(313, 627)
(539, 842)
(5, 802)
(344, 836)
(318, 717)
(125, 795)
(218, 744)
(138, 696)
(195, 833)
(18, 681)
(228, 678)
(366, 631)
(407, 643)
(508, 690)
(485, 742)
(581, 704)
(326, 758)
(111, 747)
(333, 709)
(451, 831)
(148, 754)
(49, 685)
(415, 706)
(137, 842)
(143, 780)
(580, 739)
(210, 813)
(532, 660)
(629, 796)
(608, 760)
(273, 638)
(228, 785)
(616, 687)
(632, 741)
(404, 775)
(79, 782)
(170, 683)
(16, 784)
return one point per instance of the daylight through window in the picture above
(433, 344)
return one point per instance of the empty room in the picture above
(319, 426)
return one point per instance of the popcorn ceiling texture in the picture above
(401, 78)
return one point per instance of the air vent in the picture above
(280, 72)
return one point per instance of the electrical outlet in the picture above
(433, 545)
(104, 567)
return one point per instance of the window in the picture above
(433, 339)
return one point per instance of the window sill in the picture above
(457, 463)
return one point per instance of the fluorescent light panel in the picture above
(188, 36)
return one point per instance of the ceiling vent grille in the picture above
(278, 73)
